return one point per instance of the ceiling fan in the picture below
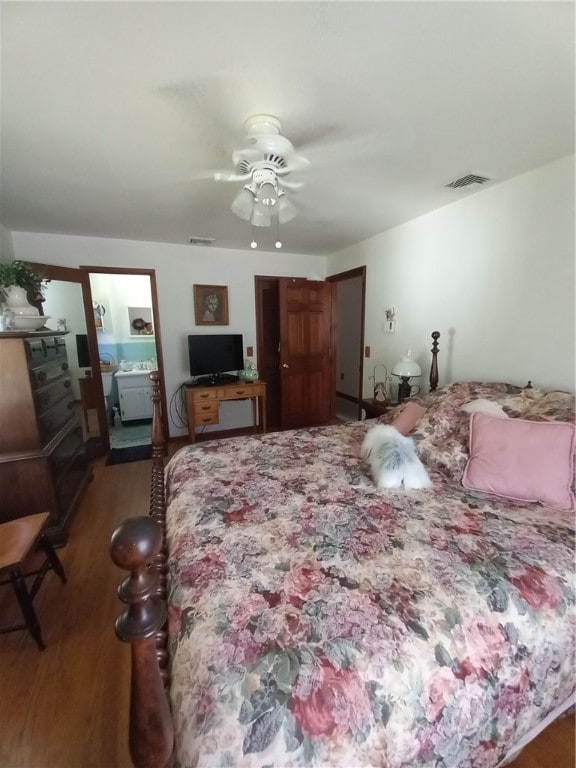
(263, 163)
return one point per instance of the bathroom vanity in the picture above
(134, 394)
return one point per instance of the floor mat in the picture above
(125, 455)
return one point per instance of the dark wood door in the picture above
(268, 329)
(306, 354)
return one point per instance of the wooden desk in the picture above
(202, 403)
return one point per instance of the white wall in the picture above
(6, 244)
(494, 273)
(178, 267)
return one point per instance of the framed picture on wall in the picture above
(140, 321)
(211, 304)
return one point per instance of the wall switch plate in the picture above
(389, 326)
(366, 351)
(249, 351)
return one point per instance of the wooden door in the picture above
(306, 354)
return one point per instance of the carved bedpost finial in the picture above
(134, 545)
(434, 366)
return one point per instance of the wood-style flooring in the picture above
(67, 707)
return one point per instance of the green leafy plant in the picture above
(21, 274)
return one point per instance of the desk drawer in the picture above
(239, 392)
(202, 395)
(205, 409)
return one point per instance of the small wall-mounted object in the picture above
(140, 321)
(99, 312)
(366, 351)
(389, 325)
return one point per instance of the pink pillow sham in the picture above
(522, 460)
(408, 417)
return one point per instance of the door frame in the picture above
(157, 334)
(338, 278)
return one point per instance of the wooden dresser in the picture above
(202, 403)
(43, 463)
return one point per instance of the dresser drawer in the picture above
(61, 456)
(47, 373)
(55, 418)
(49, 348)
(46, 397)
(69, 483)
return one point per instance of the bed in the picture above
(312, 620)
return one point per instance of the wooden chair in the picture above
(17, 540)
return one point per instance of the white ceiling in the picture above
(110, 110)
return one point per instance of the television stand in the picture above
(202, 403)
(215, 379)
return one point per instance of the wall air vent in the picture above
(470, 180)
(202, 240)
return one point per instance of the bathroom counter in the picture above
(127, 374)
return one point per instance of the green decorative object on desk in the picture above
(249, 373)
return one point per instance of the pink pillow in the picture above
(408, 417)
(522, 460)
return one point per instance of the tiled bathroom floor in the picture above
(124, 436)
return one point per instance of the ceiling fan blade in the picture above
(294, 163)
(229, 176)
(293, 186)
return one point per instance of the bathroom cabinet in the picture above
(134, 395)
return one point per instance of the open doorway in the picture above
(350, 291)
(125, 317)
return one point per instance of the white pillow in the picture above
(485, 406)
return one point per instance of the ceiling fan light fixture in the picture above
(243, 204)
(267, 193)
(261, 215)
(286, 210)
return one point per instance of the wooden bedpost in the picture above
(135, 545)
(434, 366)
(158, 513)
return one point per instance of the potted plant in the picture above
(17, 279)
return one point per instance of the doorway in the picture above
(126, 324)
(294, 320)
(350, 298)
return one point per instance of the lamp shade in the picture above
(262, 215)
(407, 367)
(243, 204)
(286, 211)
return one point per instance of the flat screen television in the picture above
(82, 350)
(213, 356)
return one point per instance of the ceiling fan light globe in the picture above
(243, 204)
(261, 215)
(286, 211)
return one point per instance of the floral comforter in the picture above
(315, 621)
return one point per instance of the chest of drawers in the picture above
(43, 463)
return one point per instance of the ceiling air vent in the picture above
(470, 180)
(202, 240)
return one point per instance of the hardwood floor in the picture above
(67, 707)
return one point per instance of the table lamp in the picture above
(406, 369)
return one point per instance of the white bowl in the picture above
(29, 322)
